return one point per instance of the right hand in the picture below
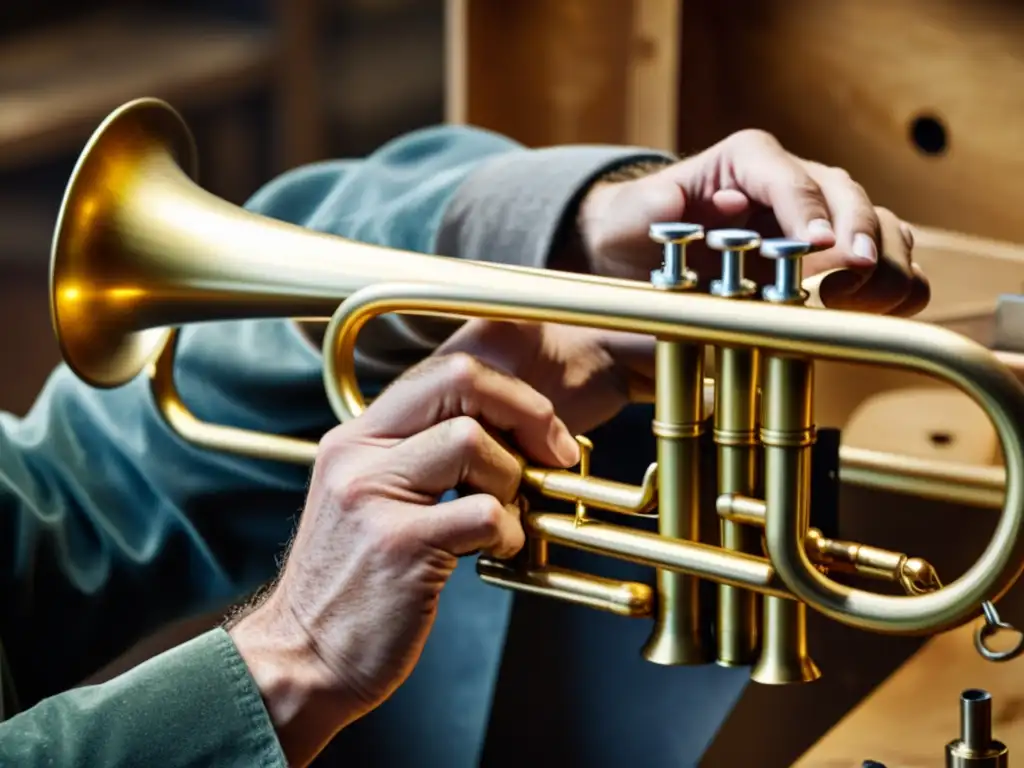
(346, 622)
(750, 180)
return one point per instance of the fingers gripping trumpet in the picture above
(141, 249)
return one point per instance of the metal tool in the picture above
(976, 748)
(140, 249)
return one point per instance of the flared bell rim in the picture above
(106, 360)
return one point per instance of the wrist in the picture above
(297, 688)
(580, 238)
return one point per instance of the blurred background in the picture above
(265, 85)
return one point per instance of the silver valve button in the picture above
(733, 244)
(787, 253)
(674, 236)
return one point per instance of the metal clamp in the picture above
(993, 626)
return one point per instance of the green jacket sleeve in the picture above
(195, 705)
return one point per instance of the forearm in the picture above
(195, 705)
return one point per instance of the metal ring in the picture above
(994, 625)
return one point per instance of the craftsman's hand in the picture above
(749, 180)
(347, 621)
(588, 374)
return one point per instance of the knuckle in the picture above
(349, 492)
(332, 447)
(490, 516)
(841, 175)
(462, 370)
(545, 408)
(807, 188)
(467, 433)
(886, 215)
(858, 189)
(756, 137)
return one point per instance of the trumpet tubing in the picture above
(141, 249)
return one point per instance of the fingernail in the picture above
(567, 448)
(908, 234)
(864, 248)
(820, 227)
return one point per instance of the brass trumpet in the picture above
(141, 249)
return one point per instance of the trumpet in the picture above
(140, 249)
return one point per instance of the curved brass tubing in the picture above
(983, 487)
(796, 333)
(914, 574)
(215, 437)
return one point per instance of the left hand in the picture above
(750, 180)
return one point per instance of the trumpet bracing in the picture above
(140, 249)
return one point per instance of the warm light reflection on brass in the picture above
(914, 574)
(140, 249)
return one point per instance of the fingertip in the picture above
(863, 249)
(564, 445)
(919, 296)
(511, 536)
(908, 237)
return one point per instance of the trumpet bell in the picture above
(97, 291)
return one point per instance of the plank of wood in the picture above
(565, 71)
(57, 84)
(852, 83)
(909, 718)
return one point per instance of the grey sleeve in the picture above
(511, 209)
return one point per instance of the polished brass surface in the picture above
(141, 249)
(787, 436)
(975, 747)
(678, 424)
(913, 574)
(735, 432)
